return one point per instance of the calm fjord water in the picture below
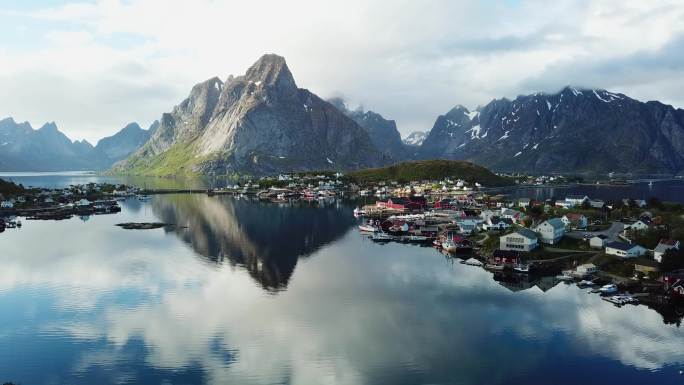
(261, 293)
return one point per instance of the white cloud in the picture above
(409, 61)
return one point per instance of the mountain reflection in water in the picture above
(91, 303)
(265, 238)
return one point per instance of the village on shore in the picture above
(628, 250)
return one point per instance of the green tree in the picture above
(672, 260)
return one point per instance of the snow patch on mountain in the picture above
(415, 138)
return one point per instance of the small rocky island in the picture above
(143, 226)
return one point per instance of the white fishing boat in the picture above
(565, 278)
(608, 289)
(620, 300)
(449, 246)
(522, 268)
(472, 262)
(358, 212)
(417, 239)
(382, 237)
(368, 228)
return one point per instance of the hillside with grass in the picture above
(431, 170)
(9, 188)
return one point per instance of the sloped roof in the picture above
(527, 233)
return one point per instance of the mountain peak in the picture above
(8, 120)
(50, 126)
(133, 126)
(271, 69)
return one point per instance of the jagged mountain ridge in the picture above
(382, 132)
(23, 148)
(574, 130)
(258, 123)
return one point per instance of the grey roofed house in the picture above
(556, 223)
(527, 233)
(497, 220)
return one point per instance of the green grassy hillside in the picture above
(8, 188)
(431, 170)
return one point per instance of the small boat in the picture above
(565, 278)
(382, 237)
(417, 239)
(522, 268)
(358, 212)
(472, 262)
(449, 246)
(620, 300)
(608, 289)
(585, 283)
(491, 266)
(368, 228)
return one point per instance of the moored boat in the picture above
(449, 246)
(472, 262)
(417, 239)
(382, 237)
(368, 228)
(495, 267)
(608, 289)
(522, 268)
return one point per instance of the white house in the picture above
(83, 202)
(486, 214)
(514, 215)
(586, 269)
(550, 231)
(6, 204)
(497, 223)
(663, 246)
(523, 202)
(574, 220)
(624, 250)
(637, 226)
(577, 200)
(521, 240)
(566, 204)
(598, 241)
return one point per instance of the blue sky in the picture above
(93, 66)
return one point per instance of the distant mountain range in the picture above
(23, 148)
(574, 130)
(262, 123)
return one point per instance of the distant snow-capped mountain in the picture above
(415, 139)
(574, 130)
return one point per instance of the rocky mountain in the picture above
(382, 132)
(415, 139)
(574, 130)
(46, 149)
(23, 148)
(257, 123)
(119, 146)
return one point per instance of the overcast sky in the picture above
(94, 66)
